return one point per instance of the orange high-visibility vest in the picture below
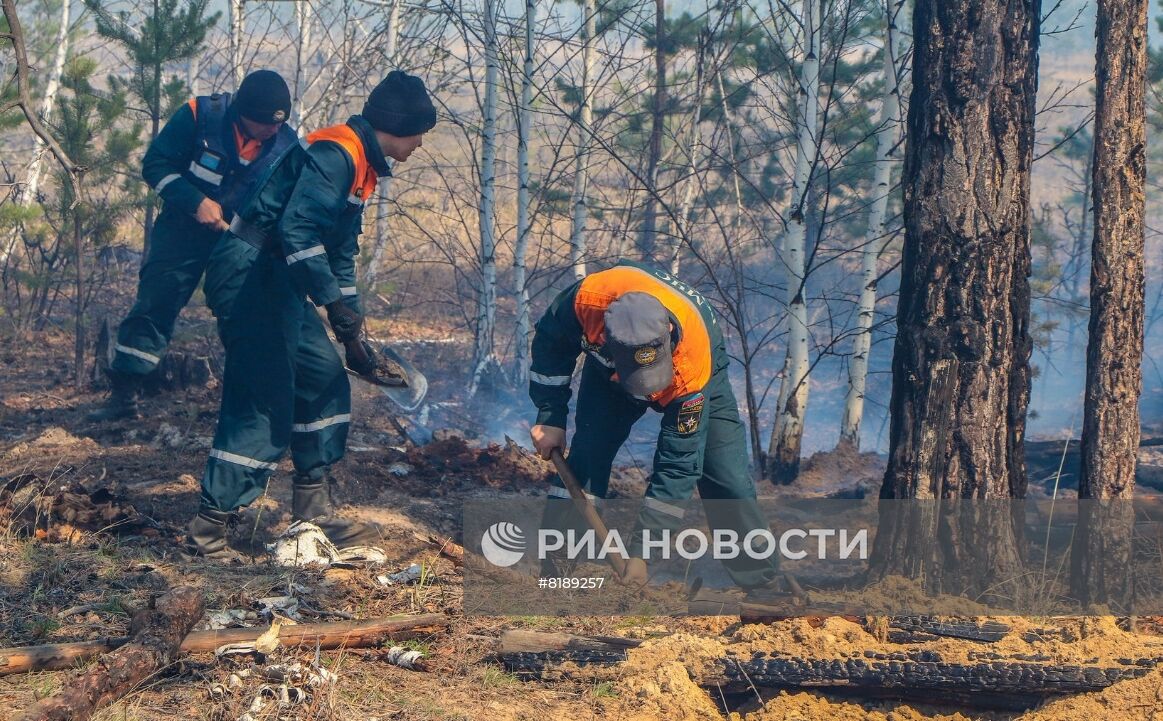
(692, 354)
(347, 138)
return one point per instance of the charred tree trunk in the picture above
(1114, 379)
(961, 373)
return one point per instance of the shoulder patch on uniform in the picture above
(689, 414)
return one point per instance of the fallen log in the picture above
(539, 653)
(155, 635)
(523, 640)
(1012, 677)
(915, 675)
(328, 636)
(447, 547)
(986, 632)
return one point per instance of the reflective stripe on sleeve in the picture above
(161, 184)
(348, 290)
(305, 254)
(549, 380)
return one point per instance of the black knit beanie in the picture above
(263, 97)
(400, 106)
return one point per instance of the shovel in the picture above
(397, 379)
(582, 503)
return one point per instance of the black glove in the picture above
(360, 357)
(345, 322)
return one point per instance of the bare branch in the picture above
(24, 99)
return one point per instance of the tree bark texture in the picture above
(961, 372)
(646, 240)
(156, 635)
(875, 236)
(1114, 380)
(585, 120)
(524, 121)
(487, 303)
(787, 435)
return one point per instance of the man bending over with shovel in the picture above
(291, 248)
(651, 342)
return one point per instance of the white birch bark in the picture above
(375, 263)
(304, 18)
(688, 197)
(26, 195)
(524, 120)
(193, 71)
(236, 25)
(886, 137)
(787, 435)
(486, 314)
(577, 236)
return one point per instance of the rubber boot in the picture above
(311, 502)
(122, 401)
(207, 535)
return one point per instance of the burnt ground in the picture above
(92, 518)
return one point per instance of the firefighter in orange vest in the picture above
(291, 248)
(651, 342)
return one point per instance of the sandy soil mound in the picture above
(656, 681)
(810, 707)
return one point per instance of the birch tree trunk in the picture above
(577, 236)
(237, 7)
(1114, 379)
(303, 19)
(26, 195)
(193, 71)
(783, 461)
(486, 314)
(874, 238)
(646, 239)
(961, 364)
(375, 264)
(695, 146)
(524, 120)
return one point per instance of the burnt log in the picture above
(911, 674)
(1008, 677)
(987, 631)
(155, 637)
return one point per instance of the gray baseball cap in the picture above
(638, 341)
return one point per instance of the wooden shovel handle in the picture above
(587, 509)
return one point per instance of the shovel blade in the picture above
(410, 397)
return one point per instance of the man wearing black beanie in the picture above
(291, 248)
(203, 164)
